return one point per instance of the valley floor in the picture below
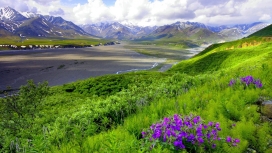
(60, 66)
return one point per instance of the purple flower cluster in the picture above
(233, 141)
(185, 133)
(248, 80)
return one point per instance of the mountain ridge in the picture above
(37, 25)
(18, 23)
(110, 30)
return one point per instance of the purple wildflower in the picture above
(196, 119)
(143, 134)
(157, 134)
(213, 146)
(217, 125)
(200, 140)
(232, 82)
(250, 80)
(210, 124)
(236, 140)
(168, 132)
(166, 121)
(208, 135)
(176, 130)
(191, 138)
(258, 83)
(228, 139)
(179, 144)
(182, 134)
(247, 80)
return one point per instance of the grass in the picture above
(265, 32)
(78, 42)
(225, 59)
(108, 113)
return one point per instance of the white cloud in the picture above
(265, 17)
(157, 12)
(93, 11)
(233, 12)
(57, 12)
(141, 12)
(34, 10)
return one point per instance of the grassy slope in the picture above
(265, 32)
(226, 57)
(209, 95)
(107, 114)
(80, 41)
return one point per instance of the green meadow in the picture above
(109, 113)
(77, 42)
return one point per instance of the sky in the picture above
(150, 12)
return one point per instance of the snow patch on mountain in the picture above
(9, 14)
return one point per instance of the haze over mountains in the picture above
(36, 25)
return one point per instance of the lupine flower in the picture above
(236, 140)
(247, 81)
(213, 146)
(196, 119)
(179, 144)
(232, 82)
(185, 133)
(143, 134)
(210, 124)
(217, 126)
(258, 83)
(228, 139)
(200, 140)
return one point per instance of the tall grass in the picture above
(108, 113)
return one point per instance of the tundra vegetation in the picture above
(30, 43)
(208, 103)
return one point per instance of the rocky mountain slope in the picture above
(117, 30)
(36, 25)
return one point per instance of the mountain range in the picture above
(118, 30)
(193, 30)
(29, 24)
(14, 23)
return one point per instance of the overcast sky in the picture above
(150, 12)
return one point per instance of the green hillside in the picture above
(109, 113)
(265, 32)
(78, 42)
(227, 57)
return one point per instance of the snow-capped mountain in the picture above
(202, 32)
(36, 25)
(30, 14)
(9, 14)
(66, 25)
(117, 30)
(254, 27)
(242, 30)
(126, 30)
